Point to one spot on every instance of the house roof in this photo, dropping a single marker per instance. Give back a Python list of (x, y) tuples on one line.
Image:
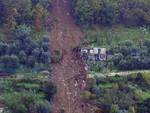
[(103, 50), (95, 50), (84, 50)]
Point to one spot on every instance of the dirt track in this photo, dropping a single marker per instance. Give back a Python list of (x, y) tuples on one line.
[(66, 34)]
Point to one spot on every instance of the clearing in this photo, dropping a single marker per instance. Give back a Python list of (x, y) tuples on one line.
[(66, 35)]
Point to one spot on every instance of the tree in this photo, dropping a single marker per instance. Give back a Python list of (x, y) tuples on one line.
[(87, 95), (107, 14), (9, 62), (21, 102), (13, 50), (131, 109), (22, 57), (3, 48), (38, 14), (84, 10), (43, 107), (49, 89), (35, 2), (45, 58), (114, 109), (36, 53), (2, 9), (91, 12), (45, 3), (29, 47), (144, 107), (117, 58), (23, 30), (95, 90), (13, 105), (134, 12), (147, 43), (16, 11), (31, 61), (45, 46), (11, 20)]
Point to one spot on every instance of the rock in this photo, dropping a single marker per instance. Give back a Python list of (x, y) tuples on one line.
[(45, 73)]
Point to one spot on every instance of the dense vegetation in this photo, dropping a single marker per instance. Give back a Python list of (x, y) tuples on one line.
[(108, 12), (111, 36), (122, 27), (26, 95), (25, 57), (131, 56), (128, 48), (128, 94), (24, 41), (24, 52), (102, 13), (16, 12)]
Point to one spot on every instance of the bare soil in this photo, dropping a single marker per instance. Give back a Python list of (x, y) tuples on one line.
[(69, 74)]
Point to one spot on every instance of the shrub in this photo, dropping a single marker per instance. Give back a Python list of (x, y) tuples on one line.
[(13, 50), (23, 30), (95, 90), (107, 14), (43, 107), (36, 53), (94, 12), (45, 46), (25, 102), (44, 3), (9, 62), (131, 109), (129, 56), (12, 100), (144, 107), (26, 51), (31, 61), (49, 89), (114, 109), (57, 56), (134, 12), (21, 12), (45, 58), (3, 48), (87, 95), (22, 57)]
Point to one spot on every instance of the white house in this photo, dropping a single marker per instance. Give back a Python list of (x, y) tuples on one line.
[(94, 54), (1, 108)]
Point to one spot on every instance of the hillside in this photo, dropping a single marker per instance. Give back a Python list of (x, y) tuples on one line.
[(75, 56), (66, 35)]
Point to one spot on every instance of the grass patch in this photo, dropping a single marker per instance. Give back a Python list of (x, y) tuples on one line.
[(10, 36), (30, 86), (106, 85), (27, 92), (142, 95), (147, 77), (39, 35), (106, 36)]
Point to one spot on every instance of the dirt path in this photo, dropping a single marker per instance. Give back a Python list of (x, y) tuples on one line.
[(125, 73), (65, 35)]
